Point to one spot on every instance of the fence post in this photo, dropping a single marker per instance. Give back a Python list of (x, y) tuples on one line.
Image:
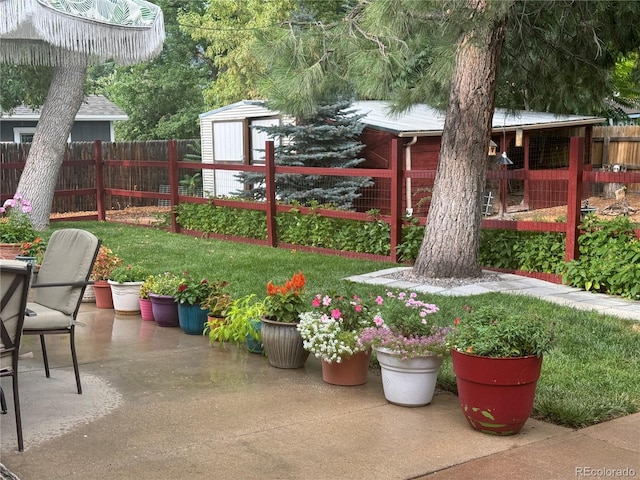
[(396, 197), (574, 197), (270, 186), (173, 183), (100, 195)]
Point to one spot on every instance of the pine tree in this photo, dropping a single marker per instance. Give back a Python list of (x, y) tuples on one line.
[(327, 139)]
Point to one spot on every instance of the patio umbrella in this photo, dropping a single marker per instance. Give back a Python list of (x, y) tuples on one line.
[(68, 35)]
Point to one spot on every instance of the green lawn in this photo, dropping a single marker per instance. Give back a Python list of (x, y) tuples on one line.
[(591, 376)]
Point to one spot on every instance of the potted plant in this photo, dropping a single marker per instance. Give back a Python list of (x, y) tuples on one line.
[(408, 347), (125, 282), (163, 302), (216, 304), (146, 311), (33, 251), (15, 226), (331, 332), (241, 324), (193, 300), (497, 358), (280, 338), (106, 262)]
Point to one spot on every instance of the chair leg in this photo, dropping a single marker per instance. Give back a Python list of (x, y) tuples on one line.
[(3, 402), (74, 357), (16, 406), (44, 356)]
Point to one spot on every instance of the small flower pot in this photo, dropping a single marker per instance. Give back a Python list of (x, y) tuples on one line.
[(102, 291), (146, 311), (353, 370), (126, 297), (283, 344), (410, 382), (192, 318), (165, 310)]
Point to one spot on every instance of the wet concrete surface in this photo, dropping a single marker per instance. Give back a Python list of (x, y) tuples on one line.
[(160, 404)]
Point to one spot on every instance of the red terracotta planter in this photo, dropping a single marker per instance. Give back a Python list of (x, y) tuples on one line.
[(496, 394), (102, 290), (9, 251), (351, 371)]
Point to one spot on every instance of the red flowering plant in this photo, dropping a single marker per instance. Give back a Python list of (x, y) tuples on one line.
[(193, 290), (284, 303), (402, 327), (34, 249)]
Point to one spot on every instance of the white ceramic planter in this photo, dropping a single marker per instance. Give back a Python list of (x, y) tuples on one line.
[(125, 297), (410, 382)]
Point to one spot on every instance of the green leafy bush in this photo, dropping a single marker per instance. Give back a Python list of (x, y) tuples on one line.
[(609, 259)]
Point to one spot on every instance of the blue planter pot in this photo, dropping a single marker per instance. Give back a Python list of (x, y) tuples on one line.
[(253, 345), (192, 318)]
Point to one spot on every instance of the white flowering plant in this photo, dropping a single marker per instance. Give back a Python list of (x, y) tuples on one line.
[(331, 330)]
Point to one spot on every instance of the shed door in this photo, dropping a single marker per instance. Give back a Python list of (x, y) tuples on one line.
[(258, 139), (227, 142)]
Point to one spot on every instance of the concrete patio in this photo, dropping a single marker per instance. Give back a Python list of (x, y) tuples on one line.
[(160, 404)]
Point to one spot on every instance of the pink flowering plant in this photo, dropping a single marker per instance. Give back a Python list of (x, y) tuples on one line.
[(403, 327), (331, 329), (15, 222)]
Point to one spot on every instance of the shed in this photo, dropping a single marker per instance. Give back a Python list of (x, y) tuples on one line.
[(227, 136), (94, 121)]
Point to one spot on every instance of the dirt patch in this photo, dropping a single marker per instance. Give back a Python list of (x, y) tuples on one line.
[(560, 212), (136, 215)]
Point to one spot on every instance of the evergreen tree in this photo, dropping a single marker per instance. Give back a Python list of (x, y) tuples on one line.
[(327, 139)]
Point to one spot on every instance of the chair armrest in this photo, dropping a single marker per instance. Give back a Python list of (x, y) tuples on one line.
[(62, 284)]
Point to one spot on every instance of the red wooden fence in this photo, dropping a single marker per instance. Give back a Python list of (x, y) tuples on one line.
[(574, 177)]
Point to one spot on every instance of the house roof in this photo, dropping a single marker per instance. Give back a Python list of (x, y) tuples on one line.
[(422, 120), (94, 107)]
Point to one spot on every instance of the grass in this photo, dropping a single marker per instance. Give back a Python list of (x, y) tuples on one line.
[(592, 375)]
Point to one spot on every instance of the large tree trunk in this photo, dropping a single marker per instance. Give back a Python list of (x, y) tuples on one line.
[(452, 235), (40, 174)]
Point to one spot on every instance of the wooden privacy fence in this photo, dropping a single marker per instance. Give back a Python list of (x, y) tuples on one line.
[(576, 181)]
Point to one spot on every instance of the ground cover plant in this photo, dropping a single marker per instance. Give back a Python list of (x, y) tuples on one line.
[(592, 374)]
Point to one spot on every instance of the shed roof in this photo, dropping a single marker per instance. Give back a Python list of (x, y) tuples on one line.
[(422, 120), (240, 110), (94, 107)]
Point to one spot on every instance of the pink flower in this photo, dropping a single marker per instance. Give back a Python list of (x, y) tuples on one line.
[(358, 308), (378, 321), (326, 301), (316, 301), (379, 300), (335, 313)]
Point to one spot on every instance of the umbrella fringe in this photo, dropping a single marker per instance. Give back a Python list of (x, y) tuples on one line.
[(12, 14), (61, 34)]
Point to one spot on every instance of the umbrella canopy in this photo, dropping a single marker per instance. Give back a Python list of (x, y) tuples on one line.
[(43, 32)]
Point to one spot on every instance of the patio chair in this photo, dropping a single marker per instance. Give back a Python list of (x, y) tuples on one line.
[(58, 289), (14, 287)]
